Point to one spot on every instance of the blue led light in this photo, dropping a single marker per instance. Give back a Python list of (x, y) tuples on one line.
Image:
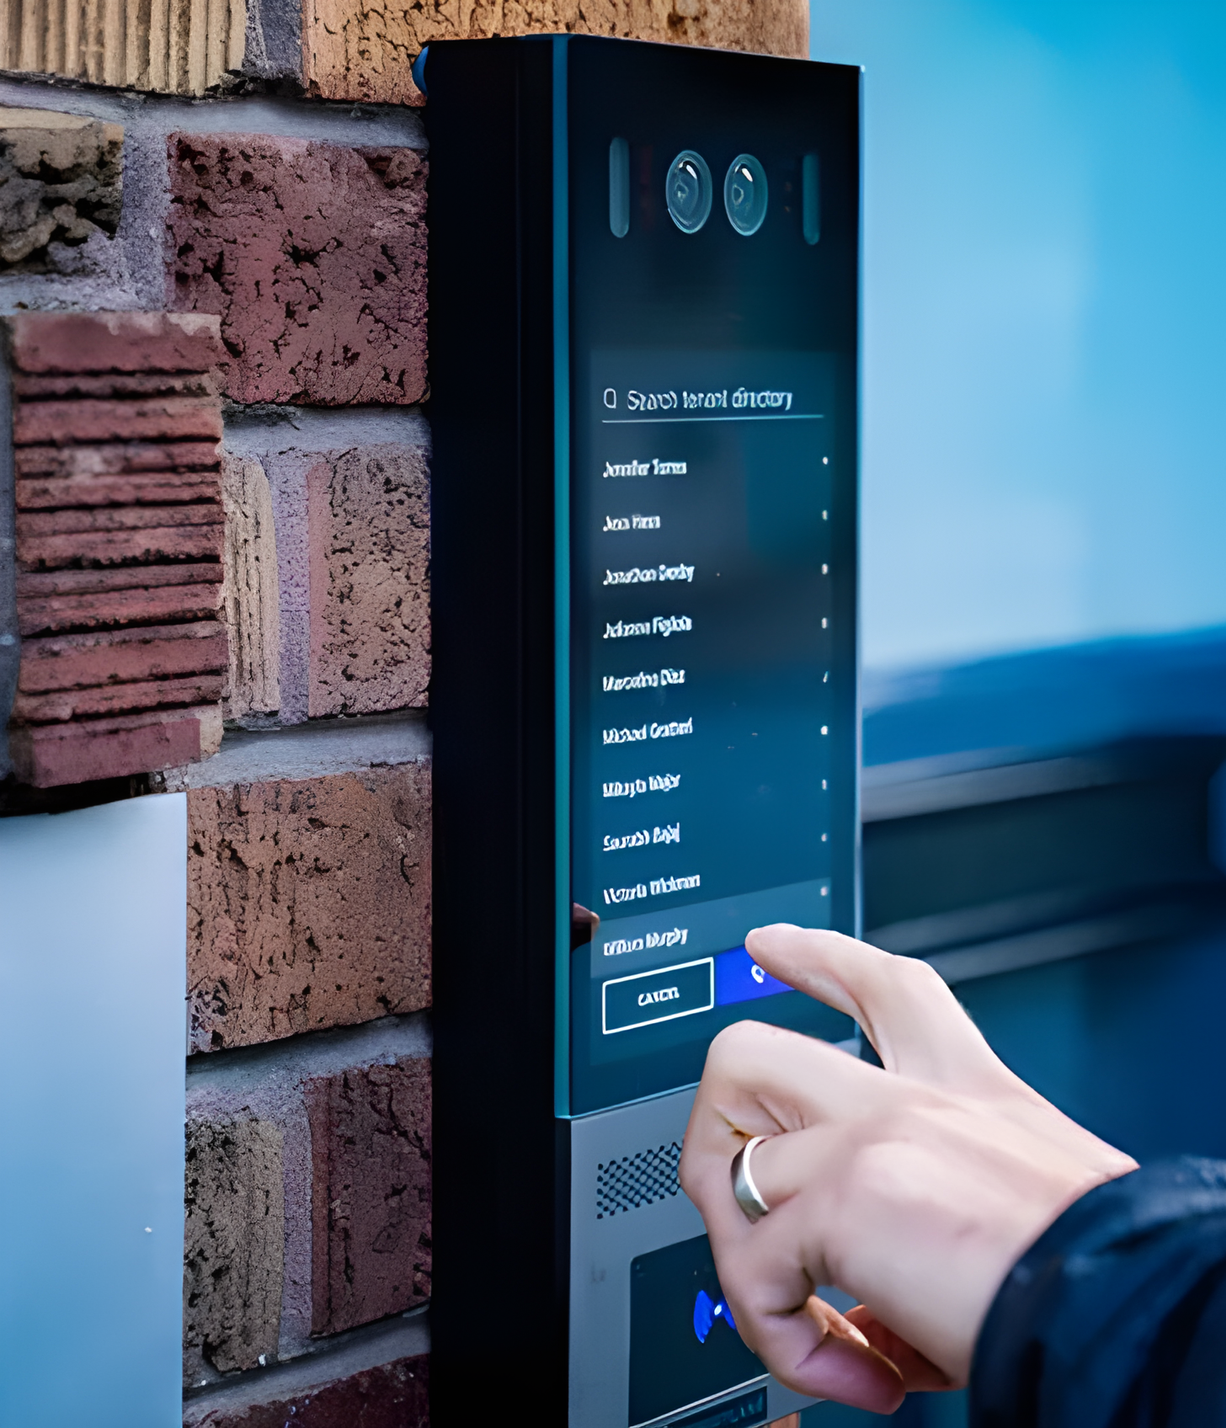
[(706, 1311), (704, 1316)]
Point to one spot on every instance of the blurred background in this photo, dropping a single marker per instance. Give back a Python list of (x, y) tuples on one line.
[(1044, 500)]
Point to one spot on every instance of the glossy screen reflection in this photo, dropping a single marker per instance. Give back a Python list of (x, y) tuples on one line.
[(703, 695)]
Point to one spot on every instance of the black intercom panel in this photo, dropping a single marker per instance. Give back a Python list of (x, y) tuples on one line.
[(643, 346)]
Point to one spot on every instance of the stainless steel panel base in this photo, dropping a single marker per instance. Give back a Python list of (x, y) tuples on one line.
[(625, 1202)]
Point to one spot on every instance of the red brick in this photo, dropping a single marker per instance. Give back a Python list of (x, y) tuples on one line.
[(192, 542), (308, 904), (79, 520), (313, 255), (97, 609), (34, 583), (84, 419), (114, 342), (116, 429), (137, 488), (64, 704), (369, 540), (78, 461), (370, 1193), (48, 755), (394, 1395), (155, 652), (115, 384)]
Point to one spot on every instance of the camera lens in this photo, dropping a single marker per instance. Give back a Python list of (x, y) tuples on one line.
[(687, 191), (745, 194)]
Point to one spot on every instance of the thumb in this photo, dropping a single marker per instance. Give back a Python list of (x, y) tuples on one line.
[(843, 1367), (918, 1373)]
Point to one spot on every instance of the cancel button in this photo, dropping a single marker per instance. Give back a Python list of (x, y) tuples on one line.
[(661, 995)]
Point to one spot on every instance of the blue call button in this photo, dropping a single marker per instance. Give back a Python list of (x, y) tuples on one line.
[(738, 978)]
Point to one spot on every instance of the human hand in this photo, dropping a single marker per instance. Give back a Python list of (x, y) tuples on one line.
[(914, 1188)]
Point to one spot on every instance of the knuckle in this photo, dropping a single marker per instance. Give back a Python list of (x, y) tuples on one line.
[(729, 1047), (921, 978), (688, 1175)]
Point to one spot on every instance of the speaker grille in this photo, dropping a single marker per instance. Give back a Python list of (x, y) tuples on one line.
[(636, 1180)]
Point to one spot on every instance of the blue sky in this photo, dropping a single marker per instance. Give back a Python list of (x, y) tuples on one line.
[(1045, 310)]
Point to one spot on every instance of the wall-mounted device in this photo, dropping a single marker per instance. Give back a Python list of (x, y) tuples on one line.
[(643, 288)]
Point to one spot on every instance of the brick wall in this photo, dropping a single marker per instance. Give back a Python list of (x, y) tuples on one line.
[(308, 1110), (182, 49), (346, 49), (252, 268), (119, 532)]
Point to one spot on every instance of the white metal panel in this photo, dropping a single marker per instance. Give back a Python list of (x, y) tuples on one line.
[(92, 977)]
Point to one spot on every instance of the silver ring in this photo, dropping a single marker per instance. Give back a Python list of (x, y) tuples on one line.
[(747, 1194)]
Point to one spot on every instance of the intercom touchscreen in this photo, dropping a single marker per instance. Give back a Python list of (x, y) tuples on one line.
[(705, 699)]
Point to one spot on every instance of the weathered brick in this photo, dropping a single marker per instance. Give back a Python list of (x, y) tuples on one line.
[(81, 520), (120, 608), (62, 704), (111, 656), (84, 419), (370, 1216), (313, 256), (364, 51), (132, 473), (72, 342), (61, 181), (393, 1395), (50, 755), (93, 599), (114, 384), (34, 583), (136, 489), (252, 591), (124, 543), (82, 461), (122, 547), (308, 904), (368, 523), (185, 49), (115, 427), (233, 1243)]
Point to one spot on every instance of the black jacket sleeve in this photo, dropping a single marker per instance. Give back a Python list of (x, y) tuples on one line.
[(1116, 1316)]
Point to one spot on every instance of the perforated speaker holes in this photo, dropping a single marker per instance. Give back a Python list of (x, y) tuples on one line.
[(637, 1180)]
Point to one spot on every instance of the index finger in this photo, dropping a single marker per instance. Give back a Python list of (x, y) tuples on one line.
[(908, 1013)]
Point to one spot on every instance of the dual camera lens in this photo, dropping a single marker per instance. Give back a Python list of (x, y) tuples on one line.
[(689, 191)]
